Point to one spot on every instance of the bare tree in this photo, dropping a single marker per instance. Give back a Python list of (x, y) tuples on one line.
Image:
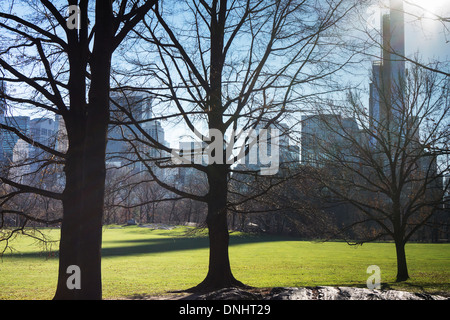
[(391, 168), (62, 66), (222, 66)]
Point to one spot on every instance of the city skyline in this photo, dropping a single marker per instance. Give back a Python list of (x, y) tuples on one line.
[(272, 105), (424, 35)]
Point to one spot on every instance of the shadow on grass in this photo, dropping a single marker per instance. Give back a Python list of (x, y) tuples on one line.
[(150, 246)]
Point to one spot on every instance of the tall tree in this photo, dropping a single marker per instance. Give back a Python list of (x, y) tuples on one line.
[(223, 66), (62, 66)]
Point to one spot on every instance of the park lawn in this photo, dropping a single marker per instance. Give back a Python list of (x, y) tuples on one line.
[(139, 262)]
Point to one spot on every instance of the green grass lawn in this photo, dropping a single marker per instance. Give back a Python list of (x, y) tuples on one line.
[(140, 261)]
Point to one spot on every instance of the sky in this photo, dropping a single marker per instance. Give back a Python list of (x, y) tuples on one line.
[(424, 34)]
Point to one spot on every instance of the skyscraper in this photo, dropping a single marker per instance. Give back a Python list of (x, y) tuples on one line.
[(124, 136), (323, 134), (25, 156), (118, 148), (388, 74), (375, 99), (9, 139), (397, 42), (2, 117), (43, 130)]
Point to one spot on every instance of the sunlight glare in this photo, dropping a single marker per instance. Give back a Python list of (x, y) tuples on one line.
[(431, 8)]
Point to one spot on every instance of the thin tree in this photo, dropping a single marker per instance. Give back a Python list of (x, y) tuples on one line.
[(391, 168)]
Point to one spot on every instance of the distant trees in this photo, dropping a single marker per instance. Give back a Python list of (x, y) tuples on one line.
[(280, 204)]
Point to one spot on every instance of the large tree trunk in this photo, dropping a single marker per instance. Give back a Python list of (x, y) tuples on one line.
[(69, 248), (402, 268), (81, 230), (219, 271), (83, 200), (95, 150), (399, 239)]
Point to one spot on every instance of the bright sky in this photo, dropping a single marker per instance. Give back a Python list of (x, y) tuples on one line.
[(427, 34), (424, 34)]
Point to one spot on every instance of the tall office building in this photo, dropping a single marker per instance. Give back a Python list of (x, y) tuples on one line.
[(191, 152), (62, 143), (21, 166), (120, 136), (388, 74), (375, 99), (2, 117), (124, 136), (156, 132), (397, 42), (26, 157), (43, 130), (9, 139), (323, 133)]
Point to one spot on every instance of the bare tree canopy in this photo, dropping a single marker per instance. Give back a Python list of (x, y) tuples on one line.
[(392, 168), (220, 68)]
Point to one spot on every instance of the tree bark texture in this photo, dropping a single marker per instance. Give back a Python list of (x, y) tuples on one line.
[(219, 272), (83, 199)]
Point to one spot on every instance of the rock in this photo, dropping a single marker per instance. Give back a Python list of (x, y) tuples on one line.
[(227, 294), (131, 222), (312, 293), (345, 293)]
